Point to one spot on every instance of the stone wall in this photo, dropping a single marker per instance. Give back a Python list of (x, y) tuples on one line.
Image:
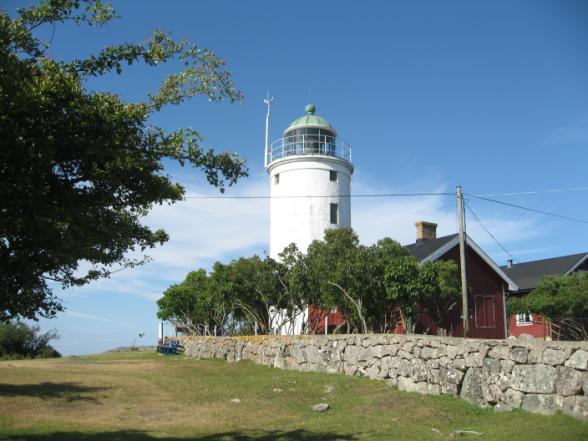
[(537, 376)]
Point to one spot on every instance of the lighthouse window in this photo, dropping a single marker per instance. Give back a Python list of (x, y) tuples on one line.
[(333, 175), (334, 213), (276, 178)]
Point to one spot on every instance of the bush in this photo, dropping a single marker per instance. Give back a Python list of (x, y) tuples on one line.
[(19, 340)]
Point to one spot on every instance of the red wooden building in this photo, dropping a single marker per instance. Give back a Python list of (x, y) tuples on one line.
[(527, 275), (487, 283)]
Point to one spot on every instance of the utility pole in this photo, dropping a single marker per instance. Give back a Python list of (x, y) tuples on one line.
[(462, 260)]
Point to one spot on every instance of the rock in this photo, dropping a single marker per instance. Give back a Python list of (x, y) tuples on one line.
[(474, 359), (329, 389), (578, 360), (407, 385), (525, 336), (450, 375), (518, 354), (459, 363), (471, 389), (498, 352), (576, 406), (546, 404), (502, 408), (391, 382), (568, 381), (491, 364), (585, 381), (277, 390), (235, 400), (554, 356), (321, 407), (538, 378), (513, 398), (506, 365), (427, 353)]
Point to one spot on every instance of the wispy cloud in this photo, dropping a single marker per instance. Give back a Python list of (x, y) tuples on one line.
[(100, 319), (205, 230), (575, 133)]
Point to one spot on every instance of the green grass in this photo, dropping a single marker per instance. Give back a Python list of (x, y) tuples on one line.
[(145, 397)]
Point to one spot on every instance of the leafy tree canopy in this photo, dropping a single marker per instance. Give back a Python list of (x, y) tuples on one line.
[(80, 168), (562, 299)]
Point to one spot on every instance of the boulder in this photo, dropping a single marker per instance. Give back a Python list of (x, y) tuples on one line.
[(321, 407), (578, 360), (554, 356), (513, 398), (568, 381), (576, 406), (518, 354), (471, 389), (546, 404), (538, 378)]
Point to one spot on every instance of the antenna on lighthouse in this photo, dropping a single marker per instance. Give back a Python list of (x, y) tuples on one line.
[(267, 101)]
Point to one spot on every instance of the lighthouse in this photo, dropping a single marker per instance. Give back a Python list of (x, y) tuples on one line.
[(310, 179)]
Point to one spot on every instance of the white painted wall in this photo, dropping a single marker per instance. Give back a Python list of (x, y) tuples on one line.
[(303, 219)]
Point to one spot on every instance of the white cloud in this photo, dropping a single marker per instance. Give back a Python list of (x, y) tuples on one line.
[(100, 319), (205, 230), (575, 133)]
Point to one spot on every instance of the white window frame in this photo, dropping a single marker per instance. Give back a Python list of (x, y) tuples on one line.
[(525, 319)]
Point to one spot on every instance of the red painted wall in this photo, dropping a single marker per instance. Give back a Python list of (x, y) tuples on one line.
[(485, 300), (539, 328)]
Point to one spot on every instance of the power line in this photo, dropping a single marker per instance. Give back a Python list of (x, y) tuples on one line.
[(374, 195), (488, 231), (533, 210), (519, 193)]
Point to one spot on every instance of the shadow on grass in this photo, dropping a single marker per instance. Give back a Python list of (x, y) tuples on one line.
[(131, 435), (69, 391)]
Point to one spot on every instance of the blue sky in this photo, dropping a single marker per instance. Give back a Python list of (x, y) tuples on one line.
[(489, 95)]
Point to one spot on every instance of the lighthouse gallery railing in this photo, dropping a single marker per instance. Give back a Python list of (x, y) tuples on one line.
[(308, 144)]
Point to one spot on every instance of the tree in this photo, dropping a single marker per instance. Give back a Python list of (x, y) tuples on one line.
[(433, 288), (19, 340), (346, 275), (187, 305), (560, 299), (80, 168)]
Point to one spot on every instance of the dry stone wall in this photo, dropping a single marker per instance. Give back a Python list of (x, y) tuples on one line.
[(537, 376)]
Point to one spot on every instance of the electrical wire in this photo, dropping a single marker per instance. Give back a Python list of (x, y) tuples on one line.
[(374, 195), (488, 231), (533, 210), (520, 193)]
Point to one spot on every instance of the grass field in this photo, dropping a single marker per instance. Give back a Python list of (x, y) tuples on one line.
[(143, 397)]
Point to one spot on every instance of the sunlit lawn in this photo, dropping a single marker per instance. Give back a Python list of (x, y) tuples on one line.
[(138, 396)]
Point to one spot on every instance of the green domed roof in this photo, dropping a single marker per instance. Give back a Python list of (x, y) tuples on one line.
[(310, 120)]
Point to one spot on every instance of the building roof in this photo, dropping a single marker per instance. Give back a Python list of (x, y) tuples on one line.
[(310, 120), (527, 274), (423, 249), (431, 250)]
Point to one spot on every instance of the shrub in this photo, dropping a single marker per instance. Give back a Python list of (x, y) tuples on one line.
[(19, 340)]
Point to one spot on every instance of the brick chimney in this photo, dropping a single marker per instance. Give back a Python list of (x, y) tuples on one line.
[(425, 231)]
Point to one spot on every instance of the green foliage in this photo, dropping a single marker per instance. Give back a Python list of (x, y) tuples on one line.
[(433, 288), (78, 168), (366, 283), (187, 304), (561, 299), (19, 340)]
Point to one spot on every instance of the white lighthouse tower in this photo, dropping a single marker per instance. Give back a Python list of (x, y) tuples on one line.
[(310, 176)]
